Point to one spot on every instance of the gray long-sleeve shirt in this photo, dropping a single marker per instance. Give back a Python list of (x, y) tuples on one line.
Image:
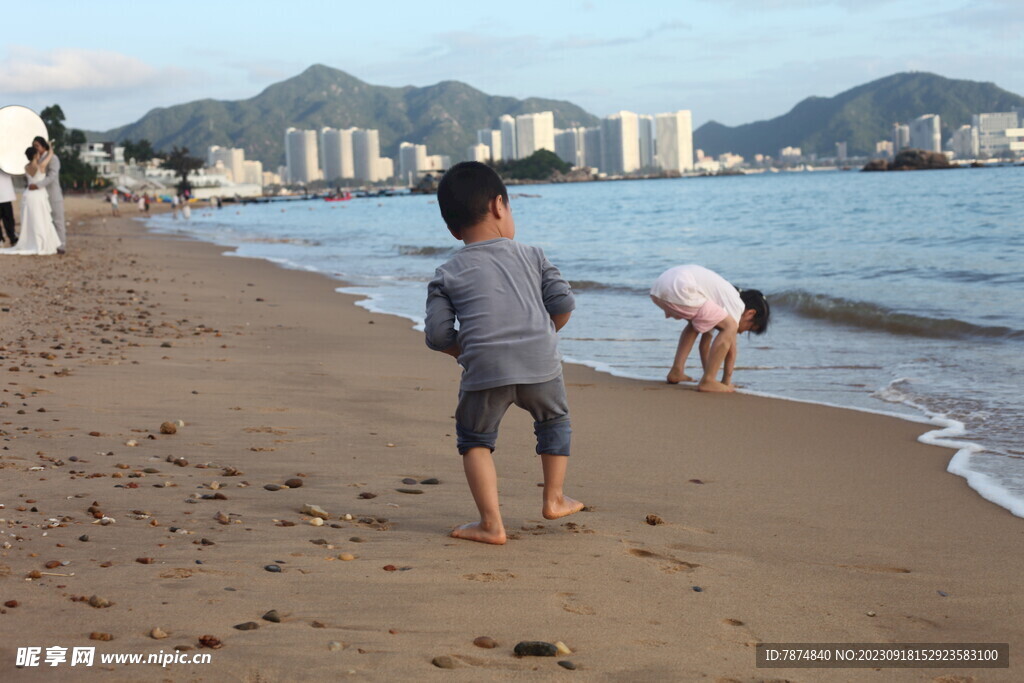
[(503, 294)]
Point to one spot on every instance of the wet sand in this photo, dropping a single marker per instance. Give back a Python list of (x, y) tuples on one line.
[(797, 523)]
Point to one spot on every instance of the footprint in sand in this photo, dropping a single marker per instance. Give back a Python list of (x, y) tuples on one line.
[(571, 604), (877, 569), (489, 577), (666, 563)]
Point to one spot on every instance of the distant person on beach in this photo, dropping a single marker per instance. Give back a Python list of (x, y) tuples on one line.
[(509, 302), (51, 183), (708, 302), (186, 210), (113, 203), (175, 202)]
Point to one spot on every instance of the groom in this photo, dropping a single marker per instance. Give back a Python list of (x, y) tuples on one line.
[(52, 184)]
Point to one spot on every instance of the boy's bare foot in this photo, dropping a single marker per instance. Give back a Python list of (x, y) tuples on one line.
[(714, 386), (474, 531), (563, 507), (677, 377)]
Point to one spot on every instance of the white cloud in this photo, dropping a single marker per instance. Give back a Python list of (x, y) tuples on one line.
[(26, 70)]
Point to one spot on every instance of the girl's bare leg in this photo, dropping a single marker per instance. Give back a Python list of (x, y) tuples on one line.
[(719, 348), (677, 374)]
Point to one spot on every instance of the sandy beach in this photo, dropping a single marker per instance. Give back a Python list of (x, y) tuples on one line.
[(775, 521)]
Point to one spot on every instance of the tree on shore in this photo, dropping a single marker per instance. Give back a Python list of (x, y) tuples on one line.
[(179, 161), (540, 165), (140, 151), (74, 173)]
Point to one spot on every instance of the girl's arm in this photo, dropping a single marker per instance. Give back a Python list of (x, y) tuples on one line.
[(30, 169), (44, 160)]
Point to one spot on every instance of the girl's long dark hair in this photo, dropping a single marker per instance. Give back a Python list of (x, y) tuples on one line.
[(754, 300)]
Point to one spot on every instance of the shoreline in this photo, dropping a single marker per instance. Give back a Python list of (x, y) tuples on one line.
[(940, 425), (797, 522)]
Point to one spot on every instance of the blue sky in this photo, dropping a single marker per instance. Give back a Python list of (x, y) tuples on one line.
[(733, 61)]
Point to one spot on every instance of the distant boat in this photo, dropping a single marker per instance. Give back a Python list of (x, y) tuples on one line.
[(343, 197)]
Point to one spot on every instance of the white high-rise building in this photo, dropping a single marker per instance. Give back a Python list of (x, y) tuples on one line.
[(570, 146), (252, 172), (996, 133), (336, 146), (232, 158), (900, 137), (301, 156), (964, 142), (674, 144), (385, 168), (645, 129), (478, 152), (592, 147), (412, 162), (507, 125), (534, 132), (366, 154), (491, 138), (620, 143), (926, 133)]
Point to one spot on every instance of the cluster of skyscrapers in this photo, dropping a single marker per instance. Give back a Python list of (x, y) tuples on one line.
[(348, 153), (623, 143), (991, 135), (236, 168)]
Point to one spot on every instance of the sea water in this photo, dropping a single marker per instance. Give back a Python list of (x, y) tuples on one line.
[(892, 292)]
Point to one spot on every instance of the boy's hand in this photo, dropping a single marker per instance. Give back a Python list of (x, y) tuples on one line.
[(454, 351)]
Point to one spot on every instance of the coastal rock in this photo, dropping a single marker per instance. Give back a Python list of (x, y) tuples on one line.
[(272, 616), (443, 662), (535, 648), (314, 511), (654, 520)]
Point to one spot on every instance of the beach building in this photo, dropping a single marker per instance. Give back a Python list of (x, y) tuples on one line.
[(900, 136), (252, 173), (534, 132), (366, 154), (592, 147), (385, 168), (507, 125), (478, 152), (412, 161), (645, 131), (232, 158), (620, 143), (791, 155), (491, 138), (926, 133), (570, 144), (301, 156), (964, 142), (270, 178), (336, 145), (883, 148), (674, 140), (998, 134)]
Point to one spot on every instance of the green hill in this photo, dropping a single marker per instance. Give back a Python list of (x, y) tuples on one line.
[(861, 116), (445, 116)]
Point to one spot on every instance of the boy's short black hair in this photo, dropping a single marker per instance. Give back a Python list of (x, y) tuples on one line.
[(754, 300), (465, 192)]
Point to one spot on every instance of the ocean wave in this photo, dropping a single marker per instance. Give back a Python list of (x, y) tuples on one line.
[(411, 250), (592, 286), (875, 317)]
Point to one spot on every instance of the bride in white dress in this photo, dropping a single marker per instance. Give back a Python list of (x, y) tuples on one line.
[(38, 235)]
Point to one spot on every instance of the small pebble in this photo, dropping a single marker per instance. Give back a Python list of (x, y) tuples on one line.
[(211, 642), (293, 483), (431, 482), (562, 648), (443, 662), (53, 564), (414, 491), (314, 511), (158, 634), (272, 487), (698, 589), (334, 646), (144, 560), (654, 520), (366, 495), (408, 480), (346, 557), (390, 568), (247, 626), (316, 521), (318, 624), (11, 603), (943, 593), (535, 648), (566, 664), (870, 614), (356, 539), (168, 428), (272, 616), (485, 642), (272, 568), (96, 635)]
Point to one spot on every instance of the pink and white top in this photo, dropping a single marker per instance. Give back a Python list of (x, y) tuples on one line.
[(694, 293)]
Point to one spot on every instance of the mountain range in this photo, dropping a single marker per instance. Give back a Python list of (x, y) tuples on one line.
[(447, 115), (860, 116)]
